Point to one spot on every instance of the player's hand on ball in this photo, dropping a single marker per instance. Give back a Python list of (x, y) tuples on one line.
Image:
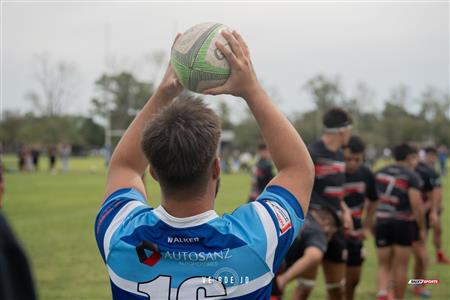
[(170, 87), (242, 81)]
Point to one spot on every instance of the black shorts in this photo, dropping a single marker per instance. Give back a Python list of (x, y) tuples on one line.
[(355, 252), (394, 232), (337, 249), (312, 235)]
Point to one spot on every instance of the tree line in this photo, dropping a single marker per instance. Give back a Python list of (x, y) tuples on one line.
[(120, 95)]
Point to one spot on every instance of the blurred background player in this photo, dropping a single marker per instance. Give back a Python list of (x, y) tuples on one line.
[(262, 172), (421, 259), (52, 152), (361, 198), (433, 217), (400, 207), (328, 191), (64, 152), (307, 251), (442, 155)]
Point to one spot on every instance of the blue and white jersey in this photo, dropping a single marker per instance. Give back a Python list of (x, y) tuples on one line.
[(153, 255)]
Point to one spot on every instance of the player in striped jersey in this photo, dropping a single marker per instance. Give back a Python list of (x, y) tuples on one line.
[(328, 191), (360, 197), (182, 249), (400, 208)]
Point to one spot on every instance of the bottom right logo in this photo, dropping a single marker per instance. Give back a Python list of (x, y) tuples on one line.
[(423, 281)]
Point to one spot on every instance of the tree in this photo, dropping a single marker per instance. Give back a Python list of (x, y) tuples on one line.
[(224, 114), (57, 81), (122, 96), (325, 93)]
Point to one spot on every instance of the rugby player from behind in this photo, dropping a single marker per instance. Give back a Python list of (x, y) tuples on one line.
[(328, 191), (398, 214), (433, 189), (182, 249)]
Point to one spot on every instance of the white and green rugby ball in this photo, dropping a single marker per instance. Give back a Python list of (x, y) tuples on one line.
[(196, 60)]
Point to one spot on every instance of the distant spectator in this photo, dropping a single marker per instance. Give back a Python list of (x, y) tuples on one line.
[(65, 152), (29, 167), (371, 155), (387, 153), (262, 172), (21, 159), (235, 162), (442, 156), (245, 159), (35, 153), (107, 155), (52, 159)]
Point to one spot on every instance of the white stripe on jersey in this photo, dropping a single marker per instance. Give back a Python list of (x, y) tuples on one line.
[(271, 233), (117, 221), (123, 284)]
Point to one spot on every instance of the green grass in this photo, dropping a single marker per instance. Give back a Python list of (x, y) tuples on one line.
[(54, 215)]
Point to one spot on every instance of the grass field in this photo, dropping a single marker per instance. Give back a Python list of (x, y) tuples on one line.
[(53, 216)]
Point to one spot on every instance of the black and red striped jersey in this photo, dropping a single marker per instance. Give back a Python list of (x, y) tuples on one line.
[(359, 185), (393, 183), (429, 177), (329, 176)]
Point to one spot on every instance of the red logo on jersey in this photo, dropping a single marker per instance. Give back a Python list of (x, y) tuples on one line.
[(282, 216), (143, 258)]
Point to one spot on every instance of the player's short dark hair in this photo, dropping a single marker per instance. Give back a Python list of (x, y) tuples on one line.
[(356, 145), (181, 142), (402, 151), (262, 146), (336, 117), (431, 150)]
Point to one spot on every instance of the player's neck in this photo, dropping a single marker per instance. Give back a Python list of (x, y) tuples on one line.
[(184, 209), (331, 142), (403, 164), (182, 205)]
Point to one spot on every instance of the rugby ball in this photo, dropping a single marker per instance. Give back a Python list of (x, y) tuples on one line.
[(198, 63)]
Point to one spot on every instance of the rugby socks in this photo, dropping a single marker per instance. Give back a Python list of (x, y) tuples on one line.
[(382, 295), (441, 259)]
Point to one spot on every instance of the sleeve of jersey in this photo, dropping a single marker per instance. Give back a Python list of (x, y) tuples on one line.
[(415, 182), (282, 218), (435, 180), (113, 212)]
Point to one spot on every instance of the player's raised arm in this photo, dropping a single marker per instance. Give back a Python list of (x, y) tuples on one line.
[(289, 153), (128, 162)]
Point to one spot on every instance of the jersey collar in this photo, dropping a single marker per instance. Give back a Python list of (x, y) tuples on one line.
[(191, 221)]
